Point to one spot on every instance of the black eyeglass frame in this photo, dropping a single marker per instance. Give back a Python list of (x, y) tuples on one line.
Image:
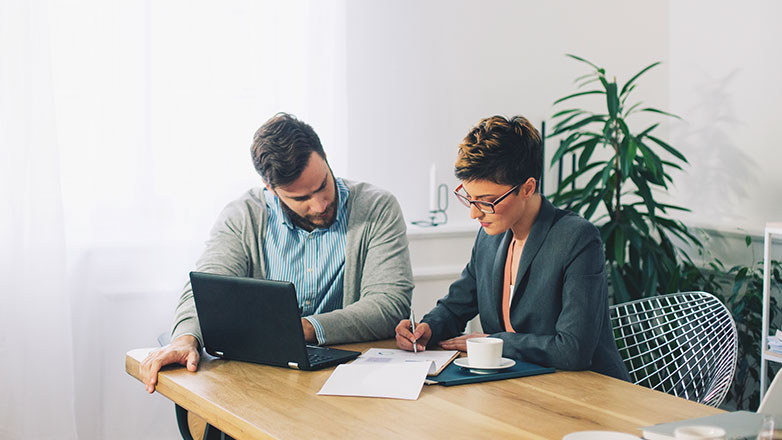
[(489, 206)]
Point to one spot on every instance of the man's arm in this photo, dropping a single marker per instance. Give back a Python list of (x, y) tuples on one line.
[(378, 275)]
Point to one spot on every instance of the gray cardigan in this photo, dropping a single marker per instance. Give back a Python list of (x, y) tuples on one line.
[(378, 280), (560, 307)]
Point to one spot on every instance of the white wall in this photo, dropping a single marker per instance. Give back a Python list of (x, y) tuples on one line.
[(421, 74), (725, 70)]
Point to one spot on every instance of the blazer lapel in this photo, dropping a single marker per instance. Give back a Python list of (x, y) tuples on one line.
[(537, 236)]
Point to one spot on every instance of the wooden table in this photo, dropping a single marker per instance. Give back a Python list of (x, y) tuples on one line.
[(249, 401)]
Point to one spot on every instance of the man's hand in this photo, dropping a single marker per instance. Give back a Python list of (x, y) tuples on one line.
[(405, 338), (182, 350), (460, 342), (309, 331)]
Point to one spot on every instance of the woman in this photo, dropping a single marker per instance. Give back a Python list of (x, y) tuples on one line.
[(537, 273)]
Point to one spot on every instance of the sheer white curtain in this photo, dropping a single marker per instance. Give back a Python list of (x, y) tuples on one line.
[(36, 372), (125, 129)]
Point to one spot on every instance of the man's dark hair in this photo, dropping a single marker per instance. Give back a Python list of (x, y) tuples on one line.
[(282, 148), (502, 151)]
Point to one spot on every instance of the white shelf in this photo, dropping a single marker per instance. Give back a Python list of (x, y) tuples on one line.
[(769, 355)]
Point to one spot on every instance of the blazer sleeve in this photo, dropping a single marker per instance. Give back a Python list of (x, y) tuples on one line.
[(452, 313), (578, 326)]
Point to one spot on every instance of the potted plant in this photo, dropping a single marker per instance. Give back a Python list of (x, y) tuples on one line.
[(617, 193)]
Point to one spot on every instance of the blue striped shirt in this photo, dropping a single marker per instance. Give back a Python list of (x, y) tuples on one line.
[(313, 261)]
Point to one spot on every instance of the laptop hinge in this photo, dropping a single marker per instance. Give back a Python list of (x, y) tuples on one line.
[(219, 353), (293, 365)]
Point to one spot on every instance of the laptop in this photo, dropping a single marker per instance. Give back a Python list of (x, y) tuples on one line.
[(737, 424), (252, 320)]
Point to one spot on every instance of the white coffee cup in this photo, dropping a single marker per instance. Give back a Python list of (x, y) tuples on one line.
[(699, 432), (484, 352)]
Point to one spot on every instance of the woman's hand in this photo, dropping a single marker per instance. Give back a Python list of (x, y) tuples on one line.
[(460, 342)]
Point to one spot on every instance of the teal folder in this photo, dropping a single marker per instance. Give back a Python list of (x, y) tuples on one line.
[(456, 375)]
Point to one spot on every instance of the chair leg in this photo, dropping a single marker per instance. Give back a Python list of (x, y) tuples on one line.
[(181, 421), (212, 433)]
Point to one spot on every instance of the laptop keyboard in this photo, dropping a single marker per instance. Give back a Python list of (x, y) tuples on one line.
[(316, 358)]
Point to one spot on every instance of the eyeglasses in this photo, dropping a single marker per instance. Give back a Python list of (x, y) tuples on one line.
[(486, 207)]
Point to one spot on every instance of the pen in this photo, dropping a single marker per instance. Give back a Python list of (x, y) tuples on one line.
[(412, 325)]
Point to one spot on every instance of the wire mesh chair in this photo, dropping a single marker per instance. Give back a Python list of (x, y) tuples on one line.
[(683, 344)]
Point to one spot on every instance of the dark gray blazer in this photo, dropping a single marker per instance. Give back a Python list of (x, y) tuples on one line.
[(559, 308)]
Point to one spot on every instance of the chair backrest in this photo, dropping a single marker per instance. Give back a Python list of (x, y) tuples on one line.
[(683, 344)]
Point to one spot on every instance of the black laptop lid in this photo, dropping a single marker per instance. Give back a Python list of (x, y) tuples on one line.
[(248, 319)]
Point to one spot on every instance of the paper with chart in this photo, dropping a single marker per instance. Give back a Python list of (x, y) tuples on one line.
[(438, 359)]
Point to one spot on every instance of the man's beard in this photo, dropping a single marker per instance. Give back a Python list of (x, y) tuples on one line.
[(311, 222)]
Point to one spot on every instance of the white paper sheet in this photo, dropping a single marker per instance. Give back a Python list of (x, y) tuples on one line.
[(395, 380), (393, 355)]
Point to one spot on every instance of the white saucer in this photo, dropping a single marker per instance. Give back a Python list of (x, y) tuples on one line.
[(465, 363), (600, 435)]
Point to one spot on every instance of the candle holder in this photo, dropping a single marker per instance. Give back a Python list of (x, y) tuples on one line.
[(437, 216)]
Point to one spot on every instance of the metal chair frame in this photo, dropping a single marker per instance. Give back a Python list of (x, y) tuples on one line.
[(683, 344)]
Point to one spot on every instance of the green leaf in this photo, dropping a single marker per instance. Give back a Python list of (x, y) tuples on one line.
[(748, 240), (623, 126), (647, 131), (585, 76), (670, 164), (589, 148), (580, 171), (620, 288), (628, 156), (654, 110), (668, 148), (631, 109), (575, 57), (575, 125), (674, 207), (565, 148), (619, 246), (575, 95), (645, 193), (566, 120), (587, 82), (612, 99), (565, 112), (651, 160), (626, 94), (630, 212), (632, 80), (593, 204)]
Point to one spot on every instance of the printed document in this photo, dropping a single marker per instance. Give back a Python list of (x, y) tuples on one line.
[(395, 380)]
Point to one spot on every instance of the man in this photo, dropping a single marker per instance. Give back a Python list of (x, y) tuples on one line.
[(537, 273), (342, 244)]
